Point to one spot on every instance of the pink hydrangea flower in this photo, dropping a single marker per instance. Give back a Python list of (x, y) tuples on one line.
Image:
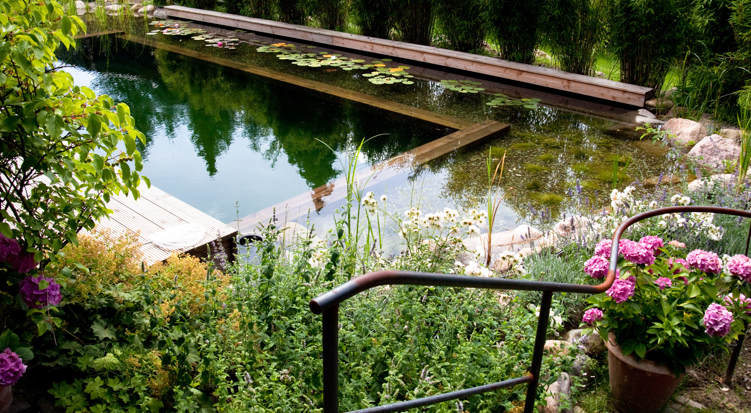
[(677, 244), (706, 261), (675, 264), (622, 290), (717, 320), (592, 315), (636, 252), (740, 265), (664, 282), (11, 368), (36, 297), (596, 267), (603, 248), (742, 299), (653, 243)]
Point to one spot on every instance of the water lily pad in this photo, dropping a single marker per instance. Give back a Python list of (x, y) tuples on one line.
[(462, 86), (501, 100)]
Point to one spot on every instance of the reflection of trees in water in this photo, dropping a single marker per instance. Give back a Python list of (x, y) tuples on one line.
[(216, 104)]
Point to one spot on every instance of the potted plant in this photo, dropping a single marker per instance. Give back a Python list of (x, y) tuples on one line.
[(664, 311)]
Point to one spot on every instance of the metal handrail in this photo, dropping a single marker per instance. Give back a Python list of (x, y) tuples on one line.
[(327, 304)]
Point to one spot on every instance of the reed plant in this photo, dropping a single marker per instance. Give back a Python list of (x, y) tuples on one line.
[(744, 123), (495, 175)]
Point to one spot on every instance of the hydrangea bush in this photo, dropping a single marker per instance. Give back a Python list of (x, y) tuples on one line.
[(663, 305)]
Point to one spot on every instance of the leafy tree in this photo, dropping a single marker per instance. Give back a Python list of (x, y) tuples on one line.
[(375, 17), (513, 25), (463, 23), (64, 150), (572, 29), (414, 19)]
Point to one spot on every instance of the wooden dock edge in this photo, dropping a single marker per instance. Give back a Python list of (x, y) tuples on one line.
[(336, 190), (604, 89)]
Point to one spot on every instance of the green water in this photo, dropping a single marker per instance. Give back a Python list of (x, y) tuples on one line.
[(217, 137), (220, 137)]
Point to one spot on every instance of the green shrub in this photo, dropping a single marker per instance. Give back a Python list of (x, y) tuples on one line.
[(573, 29), (647, 37), (375, 17), (415, 20), (331, 14), (263, 9), (292, 11), (513, 26), (463, 23), (714, 35)]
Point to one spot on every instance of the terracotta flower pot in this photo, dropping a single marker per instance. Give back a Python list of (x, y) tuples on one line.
[(6, 398), (638, 385)]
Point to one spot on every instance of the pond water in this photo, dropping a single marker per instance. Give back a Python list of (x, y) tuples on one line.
[(232, 143)]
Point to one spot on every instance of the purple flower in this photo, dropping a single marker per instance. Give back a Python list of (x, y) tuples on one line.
[(664, 282), (596, 267), (622, 290), (592, 315), (717, 320), (653, 243), (740, 265), (12, 253), (636, 252), (8, 248), (603, 248), (11, 368), (744, 301), (36, 297), (705, 261)]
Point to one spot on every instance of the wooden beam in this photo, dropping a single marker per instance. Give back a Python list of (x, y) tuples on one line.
[(96, 34), (539, 76), (370, 100), (336, 190)]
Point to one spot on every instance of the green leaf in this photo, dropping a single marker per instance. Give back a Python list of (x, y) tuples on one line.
[(640, 350), (5, 230), (66, 25), (94, 125), (693, 291), (101, 331)]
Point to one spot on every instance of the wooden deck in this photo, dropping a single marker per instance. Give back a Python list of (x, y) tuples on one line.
[(370, 100), (539, 76), (300, 205), (165, 225)]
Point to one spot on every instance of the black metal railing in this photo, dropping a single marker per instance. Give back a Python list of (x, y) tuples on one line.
[(327, 305)]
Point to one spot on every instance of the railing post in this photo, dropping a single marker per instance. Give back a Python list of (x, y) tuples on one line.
[(734, 356), (534, 369), (331, 359)]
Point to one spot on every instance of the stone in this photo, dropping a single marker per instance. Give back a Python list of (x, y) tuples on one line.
[(559, 390), (578, 409), (502, 240), (589, 343), (80, 4), (684, 132), (582, 365), (160, 14), (707, 183), (146, 9), (113, 9), (466, 258), (661, 105), (668, 93), (715, 152), (732, 133), (525, 233), (647, 114), (557, 346), (571, 226), (134, 8), (690, 403)]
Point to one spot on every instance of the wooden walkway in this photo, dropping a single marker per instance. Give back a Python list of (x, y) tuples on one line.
[(165, 225), (300, 205), (539, 76), (370, 100)]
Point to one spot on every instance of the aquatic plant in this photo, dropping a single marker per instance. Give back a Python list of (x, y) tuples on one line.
[(501, 100), (462, 86)]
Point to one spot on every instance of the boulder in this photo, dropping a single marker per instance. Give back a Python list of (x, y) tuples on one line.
[(590, 343), (557, 347), (502, 240), (707, 183), (583, 365), (647, 114), (732, 133), (160, 14), (134, 8), (715, 152), (559, 390), (149, 9), (113, 9), (572, 226), (684, 132)]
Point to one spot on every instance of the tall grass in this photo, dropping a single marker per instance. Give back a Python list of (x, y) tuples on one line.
[(744, 123)]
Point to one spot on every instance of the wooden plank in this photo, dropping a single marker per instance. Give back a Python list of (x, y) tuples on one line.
[(370, 100), (540, 76), (95, 34), (157, 216), (336, 190)]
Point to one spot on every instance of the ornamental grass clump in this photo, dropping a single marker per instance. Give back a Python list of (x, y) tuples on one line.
[(663, 305)]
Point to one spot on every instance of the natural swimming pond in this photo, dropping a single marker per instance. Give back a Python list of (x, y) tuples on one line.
[(232, 143)]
